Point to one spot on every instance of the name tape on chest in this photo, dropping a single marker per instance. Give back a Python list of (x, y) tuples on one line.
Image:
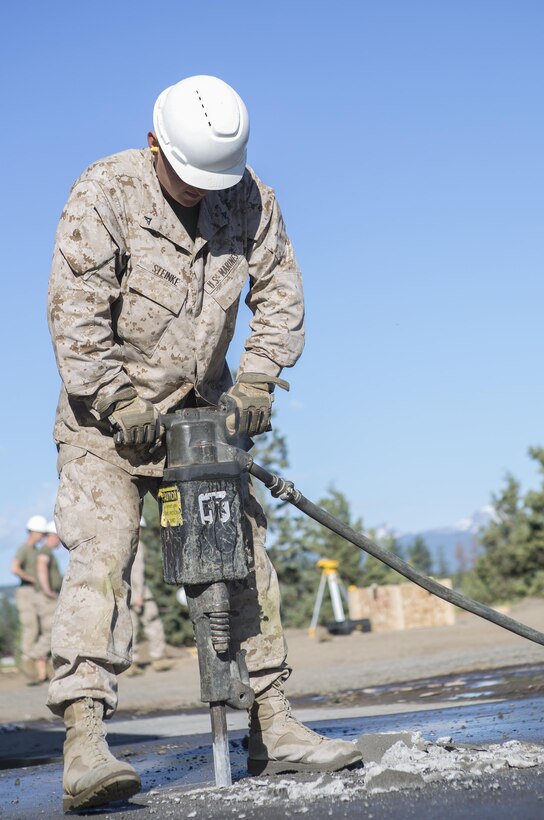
[(162, 273)]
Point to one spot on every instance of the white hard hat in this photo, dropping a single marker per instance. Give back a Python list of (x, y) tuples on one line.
[(37, 523), (202, 126), (51, 529), (142, 522)]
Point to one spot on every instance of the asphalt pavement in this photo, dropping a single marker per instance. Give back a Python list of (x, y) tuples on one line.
[(492, 767)]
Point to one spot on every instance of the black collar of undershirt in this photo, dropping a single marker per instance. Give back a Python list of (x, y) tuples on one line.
[(187, 215)]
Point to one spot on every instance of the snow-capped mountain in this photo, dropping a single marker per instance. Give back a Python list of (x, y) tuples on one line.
[(453, 545), (477, 520)]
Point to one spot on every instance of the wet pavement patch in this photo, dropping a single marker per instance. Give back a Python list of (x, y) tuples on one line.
[(504, 683)]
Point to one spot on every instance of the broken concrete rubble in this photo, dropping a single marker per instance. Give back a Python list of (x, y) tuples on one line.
[(393, 761)]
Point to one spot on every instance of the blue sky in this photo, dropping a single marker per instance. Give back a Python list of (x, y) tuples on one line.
[(404, 141)]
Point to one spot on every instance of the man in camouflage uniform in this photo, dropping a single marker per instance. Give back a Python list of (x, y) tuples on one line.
[(24, 566), (152, 252), (49, 582)]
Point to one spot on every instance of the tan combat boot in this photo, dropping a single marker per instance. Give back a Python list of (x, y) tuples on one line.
[(92, 775), (278, 742)]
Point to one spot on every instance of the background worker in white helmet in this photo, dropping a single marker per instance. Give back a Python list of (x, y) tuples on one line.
[(152, 252), (23, 566), (49, 582), (145, 614)]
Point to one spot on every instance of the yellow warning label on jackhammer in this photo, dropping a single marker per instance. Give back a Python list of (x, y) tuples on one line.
[(171, 514)]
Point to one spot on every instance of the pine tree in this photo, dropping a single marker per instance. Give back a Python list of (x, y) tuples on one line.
[(320, 543), (296, 570), (271, 453), (506, 569), (375, 572), (323, 543), (442, 568), (533, 554), (419, 556), (299, 543), (286, 549)]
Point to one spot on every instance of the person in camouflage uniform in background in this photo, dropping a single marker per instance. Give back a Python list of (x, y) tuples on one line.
[(49, 583), (152, 252), (24, 566)]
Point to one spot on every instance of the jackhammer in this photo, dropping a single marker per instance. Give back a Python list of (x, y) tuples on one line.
[(203, 533), (205, 549)]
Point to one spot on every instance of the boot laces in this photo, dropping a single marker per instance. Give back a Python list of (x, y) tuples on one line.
[(287, 710), (96, 734)]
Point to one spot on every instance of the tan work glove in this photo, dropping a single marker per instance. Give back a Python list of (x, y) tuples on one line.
[(250, 402), (134, 420)]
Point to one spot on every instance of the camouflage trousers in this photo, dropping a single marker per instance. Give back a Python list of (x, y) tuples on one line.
[(46, 612), (97, 515), (150, 621), (26, 599)]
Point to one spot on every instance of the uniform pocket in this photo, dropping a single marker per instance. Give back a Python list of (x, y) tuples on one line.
[(225, 283), (154, 297), (75, 509), (86, 244)]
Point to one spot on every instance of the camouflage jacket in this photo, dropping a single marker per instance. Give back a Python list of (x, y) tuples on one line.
[(134, 301)]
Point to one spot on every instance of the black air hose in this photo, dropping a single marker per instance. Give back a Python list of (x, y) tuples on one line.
[(287, 492)]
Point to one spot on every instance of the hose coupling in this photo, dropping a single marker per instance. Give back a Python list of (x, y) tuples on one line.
[(284, 490)]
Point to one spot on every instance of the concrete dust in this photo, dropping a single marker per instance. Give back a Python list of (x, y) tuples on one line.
[(444, 761), (403, 764), (394, 762)]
